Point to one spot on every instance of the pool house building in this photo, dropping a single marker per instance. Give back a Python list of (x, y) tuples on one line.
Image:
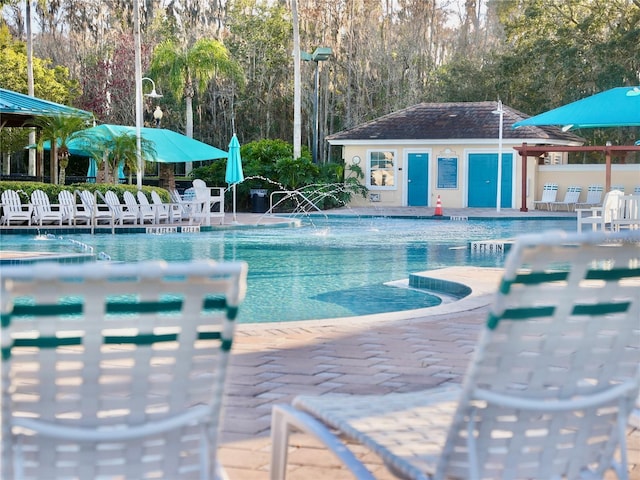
[(450, 150)]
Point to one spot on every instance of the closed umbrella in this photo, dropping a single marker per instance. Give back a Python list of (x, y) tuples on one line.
[(234, 173), (92, 172)]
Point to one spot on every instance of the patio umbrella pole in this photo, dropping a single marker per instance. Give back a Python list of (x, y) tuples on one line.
[(235, 219)]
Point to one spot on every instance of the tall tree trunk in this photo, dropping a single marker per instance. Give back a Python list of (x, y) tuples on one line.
[(30, 86), (188, 98), (297, 102)]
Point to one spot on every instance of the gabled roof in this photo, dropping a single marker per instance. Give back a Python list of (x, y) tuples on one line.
[(461, 120), (16, 109)]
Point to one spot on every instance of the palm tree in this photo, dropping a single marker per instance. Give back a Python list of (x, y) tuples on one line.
[(189, 70), (58, 130), (119, 148)]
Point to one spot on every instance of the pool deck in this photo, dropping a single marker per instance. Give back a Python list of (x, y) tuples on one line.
[(400, 351)]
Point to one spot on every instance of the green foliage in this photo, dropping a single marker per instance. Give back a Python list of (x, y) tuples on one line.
[(50, 83), (269, 164), (25, 189), (58, 130)]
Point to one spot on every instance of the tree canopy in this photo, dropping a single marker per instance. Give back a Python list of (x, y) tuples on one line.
[(534, 55)]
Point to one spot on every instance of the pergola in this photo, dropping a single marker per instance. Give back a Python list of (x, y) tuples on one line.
[(609, 151)]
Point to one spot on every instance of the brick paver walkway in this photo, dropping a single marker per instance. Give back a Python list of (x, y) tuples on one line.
[(274, 362)]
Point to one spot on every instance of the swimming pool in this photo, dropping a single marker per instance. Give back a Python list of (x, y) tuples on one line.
[(327, 268)]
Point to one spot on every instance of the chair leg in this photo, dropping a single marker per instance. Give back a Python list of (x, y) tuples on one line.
[(279, 444), (285, 418)]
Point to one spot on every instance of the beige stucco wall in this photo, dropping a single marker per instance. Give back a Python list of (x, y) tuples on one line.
[(537, 175), (627, 176), (451, 197)]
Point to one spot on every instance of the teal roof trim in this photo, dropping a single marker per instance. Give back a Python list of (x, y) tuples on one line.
[(17, 108)]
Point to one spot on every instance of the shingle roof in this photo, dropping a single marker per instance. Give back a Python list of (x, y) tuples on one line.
[(16, 108), (463, 120)]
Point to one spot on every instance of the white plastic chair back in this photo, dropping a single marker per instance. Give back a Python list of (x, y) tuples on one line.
[(42, 211), (554, 378), (120, 212), (556, 371), (594, 195), (158, 213), (13, 209), (115, 370)]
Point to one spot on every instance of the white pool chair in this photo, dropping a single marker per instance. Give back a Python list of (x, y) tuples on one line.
[(121, 213), (116, 370), (600, 217), (628, 213), (74, 212), (159, 213), (100, 212), (571, 197), (43, 211), (549, 194), (210, 202), (174, 210), (143, 211), (554, 378), (189, 206), (594, 197), (13, 210)]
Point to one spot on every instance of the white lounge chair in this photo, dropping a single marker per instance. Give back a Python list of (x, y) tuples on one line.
[(174, 210), (115, 370), (144, 212), (594, 197), (74, 212), (628, 213), (100, 213), (189, 206), (159, 213), (210, 202), (600, 217), (121, 213), (554, 378), (43, 211), (571, 197), (13, 210), (549, 195)]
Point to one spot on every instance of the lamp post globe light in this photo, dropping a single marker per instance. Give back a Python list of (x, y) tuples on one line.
[(320, 54)]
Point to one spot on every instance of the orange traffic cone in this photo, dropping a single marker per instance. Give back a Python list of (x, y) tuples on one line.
[(438, 212)]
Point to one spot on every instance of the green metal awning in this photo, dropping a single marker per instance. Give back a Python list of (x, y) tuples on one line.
[(16, 109)]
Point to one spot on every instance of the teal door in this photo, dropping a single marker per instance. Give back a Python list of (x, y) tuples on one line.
[(483, 179), (418, 179)]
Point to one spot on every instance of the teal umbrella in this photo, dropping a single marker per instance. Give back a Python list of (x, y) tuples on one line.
[(618, 107), (170, 146), (92, 172), (234, 173)]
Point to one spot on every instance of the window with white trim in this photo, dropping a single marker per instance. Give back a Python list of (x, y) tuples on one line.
[(382, 170)]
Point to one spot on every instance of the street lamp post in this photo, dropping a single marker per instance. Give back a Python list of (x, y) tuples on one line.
[(499, 111), (139, 94), (320, 54)]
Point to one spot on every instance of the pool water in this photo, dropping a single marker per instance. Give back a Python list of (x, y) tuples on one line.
[(326, 268)]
